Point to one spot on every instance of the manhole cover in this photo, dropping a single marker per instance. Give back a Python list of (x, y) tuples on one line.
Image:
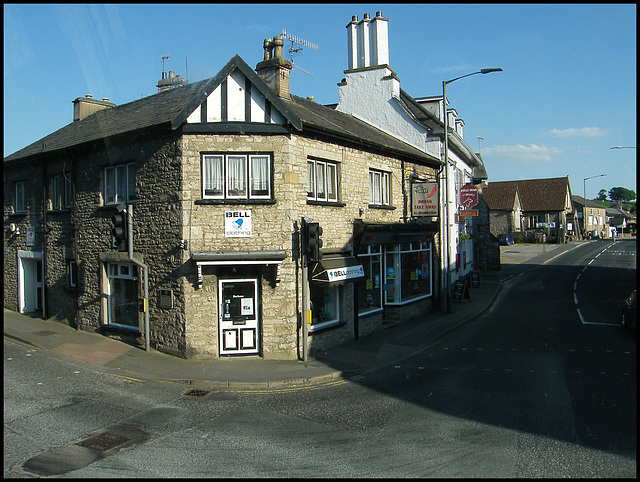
[(196, 393), (104, 441)]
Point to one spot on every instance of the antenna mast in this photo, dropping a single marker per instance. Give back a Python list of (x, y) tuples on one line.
[(164, 74), (297, 47)]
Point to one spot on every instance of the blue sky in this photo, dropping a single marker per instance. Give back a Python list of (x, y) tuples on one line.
[(566, 95)]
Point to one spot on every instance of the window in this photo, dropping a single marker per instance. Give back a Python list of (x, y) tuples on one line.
[(20, 204), (236, 176), (73, 274), (120, 184), (123, 296), (370, 287), (322, 180), (379, 188), (60, 191), (325, 306), (408, 272)]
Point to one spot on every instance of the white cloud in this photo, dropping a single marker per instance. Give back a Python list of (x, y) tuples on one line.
[(521, 153), (583, 132)]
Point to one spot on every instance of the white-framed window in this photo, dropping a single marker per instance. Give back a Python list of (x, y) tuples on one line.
[(322, 180), (370, 288), (236, 176), (408, 271), (73, 273), (123, 296), (379, 188), (60, 191), (120, 184), (20, 204)]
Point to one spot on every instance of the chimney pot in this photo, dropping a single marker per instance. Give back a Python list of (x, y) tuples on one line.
[(105, 99), (88, 96), (172, 74), (366, 17), (378, 14), (354, 18)]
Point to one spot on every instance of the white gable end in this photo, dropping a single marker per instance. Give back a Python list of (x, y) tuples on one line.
[(230, 102)]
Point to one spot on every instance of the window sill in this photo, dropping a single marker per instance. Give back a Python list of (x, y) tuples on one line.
[(220, 202), (312, 202), (325, 327), (381, 206)]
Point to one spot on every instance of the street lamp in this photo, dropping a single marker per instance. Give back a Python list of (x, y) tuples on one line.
[(584, 207), (447, 297)]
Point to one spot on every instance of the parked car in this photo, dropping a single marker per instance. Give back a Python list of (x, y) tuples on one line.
[(505, 239), (629, 312)]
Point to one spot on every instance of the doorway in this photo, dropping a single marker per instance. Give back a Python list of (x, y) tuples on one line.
[(30, 282), (239, 317)]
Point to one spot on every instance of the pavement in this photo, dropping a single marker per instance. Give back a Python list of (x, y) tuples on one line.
[(352, 359)]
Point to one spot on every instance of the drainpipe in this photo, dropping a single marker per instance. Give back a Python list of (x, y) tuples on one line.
[(145, 274)]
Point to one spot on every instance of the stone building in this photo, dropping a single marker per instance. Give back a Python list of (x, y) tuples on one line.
[(218, 178)]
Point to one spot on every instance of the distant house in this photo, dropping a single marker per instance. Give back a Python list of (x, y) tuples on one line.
[(620, 221), (590, 217), (505, 207), (545, 207)]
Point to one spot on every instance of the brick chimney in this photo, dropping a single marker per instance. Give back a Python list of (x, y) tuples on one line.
[(85, 106), (275, 69)]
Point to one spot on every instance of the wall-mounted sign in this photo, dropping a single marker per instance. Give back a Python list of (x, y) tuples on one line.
[(424, 196), (469, 196), (348, 272), (31, 236), (237, 224), (468, 212)]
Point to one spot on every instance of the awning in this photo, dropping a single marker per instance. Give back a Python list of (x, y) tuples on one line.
[(337, 270), (238, 258)]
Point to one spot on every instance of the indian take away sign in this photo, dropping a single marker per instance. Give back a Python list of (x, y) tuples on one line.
[(424, 197)]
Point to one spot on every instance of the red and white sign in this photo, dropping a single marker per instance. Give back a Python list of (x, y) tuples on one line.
[(469, 196), (424, 199)]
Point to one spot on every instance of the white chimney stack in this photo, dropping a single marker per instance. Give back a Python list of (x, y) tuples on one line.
[(368, 42)]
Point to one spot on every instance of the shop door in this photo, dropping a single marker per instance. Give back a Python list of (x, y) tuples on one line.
[(239, 317)]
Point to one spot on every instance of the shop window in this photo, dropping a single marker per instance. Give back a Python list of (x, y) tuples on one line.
[(322, 180), (236, 176), (123, 296), (369, 288), (408, 272), (325, 306)]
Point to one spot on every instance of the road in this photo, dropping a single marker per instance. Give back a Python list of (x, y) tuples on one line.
[(542, 386)]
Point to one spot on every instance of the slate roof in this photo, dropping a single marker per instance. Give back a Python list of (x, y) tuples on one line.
[(538, 194), (170, 109), (590, 204), (500, 196)]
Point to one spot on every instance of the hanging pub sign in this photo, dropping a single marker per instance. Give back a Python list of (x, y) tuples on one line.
[(424, 199), (469, 196), (237, 224)]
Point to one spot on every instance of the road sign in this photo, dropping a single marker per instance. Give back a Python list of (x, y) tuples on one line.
[(469, 196)]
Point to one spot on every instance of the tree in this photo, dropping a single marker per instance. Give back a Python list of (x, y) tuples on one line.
[(621, 194), (602, 195)]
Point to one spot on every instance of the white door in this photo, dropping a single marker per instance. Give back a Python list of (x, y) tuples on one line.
[(239, 317), (31, 287)]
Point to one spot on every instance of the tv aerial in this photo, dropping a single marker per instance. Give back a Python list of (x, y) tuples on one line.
[(297, 48)]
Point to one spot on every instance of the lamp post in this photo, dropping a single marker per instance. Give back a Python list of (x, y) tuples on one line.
[(447, 281), (584, 208)]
